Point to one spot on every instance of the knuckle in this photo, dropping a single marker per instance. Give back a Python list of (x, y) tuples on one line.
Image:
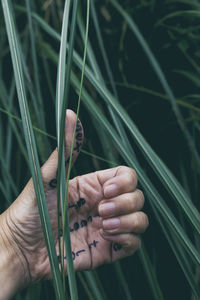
[(128, 244), (137, 221), (129, 247), (140, 221), (133, 174), (140, 198), (130, 203), (130, 175), (132, 178), (124, 168), (132, 245)]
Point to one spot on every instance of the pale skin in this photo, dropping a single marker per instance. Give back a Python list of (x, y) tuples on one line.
[(105, 220)]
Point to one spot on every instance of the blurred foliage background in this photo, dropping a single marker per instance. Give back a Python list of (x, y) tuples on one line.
[(166, 114)]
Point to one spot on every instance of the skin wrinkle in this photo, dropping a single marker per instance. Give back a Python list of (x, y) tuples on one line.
[(17, 245), (43, 256)]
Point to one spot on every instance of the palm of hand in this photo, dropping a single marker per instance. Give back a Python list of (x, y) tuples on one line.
[(89, 248)]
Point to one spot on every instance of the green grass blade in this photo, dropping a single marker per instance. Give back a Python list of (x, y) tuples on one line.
[(99, 76), (145, 90), (93, 285), (60, 87), (150, 273), (61, 105), (3, 97), (122, 280), (85, 286), (182, 259), (194, 3), (74, 293), (102, 48), (31, 146), (190, 13), (35, 64), (9, 133), (8, 177)]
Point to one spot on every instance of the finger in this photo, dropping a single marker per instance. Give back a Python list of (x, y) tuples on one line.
[(123, 245), (117, 181), (121, 205), (136, 223), (49, 169)]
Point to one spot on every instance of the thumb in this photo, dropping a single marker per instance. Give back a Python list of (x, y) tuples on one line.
[(49, 169)]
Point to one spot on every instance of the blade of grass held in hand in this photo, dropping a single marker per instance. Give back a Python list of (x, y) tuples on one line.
[(59, 103), (62, 94), (66, 235), (31, 146)]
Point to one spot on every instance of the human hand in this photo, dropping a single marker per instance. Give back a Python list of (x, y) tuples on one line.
[(104, 213)]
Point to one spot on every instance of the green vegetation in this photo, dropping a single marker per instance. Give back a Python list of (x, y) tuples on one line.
[(136, 91)]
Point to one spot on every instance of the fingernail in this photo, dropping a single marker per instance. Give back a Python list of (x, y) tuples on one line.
[(110, 190), (111, 223), (107, 209)]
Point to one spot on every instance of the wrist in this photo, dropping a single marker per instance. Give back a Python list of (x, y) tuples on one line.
[(12, 268)]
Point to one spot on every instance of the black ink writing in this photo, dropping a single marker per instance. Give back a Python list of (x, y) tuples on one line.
[(78, 146), (78, 127), (83, 223), (89, 219), (76, 226), (78, 204), (53, 183), (94, 244), (117, 247), (77, 253), (79, 136)]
